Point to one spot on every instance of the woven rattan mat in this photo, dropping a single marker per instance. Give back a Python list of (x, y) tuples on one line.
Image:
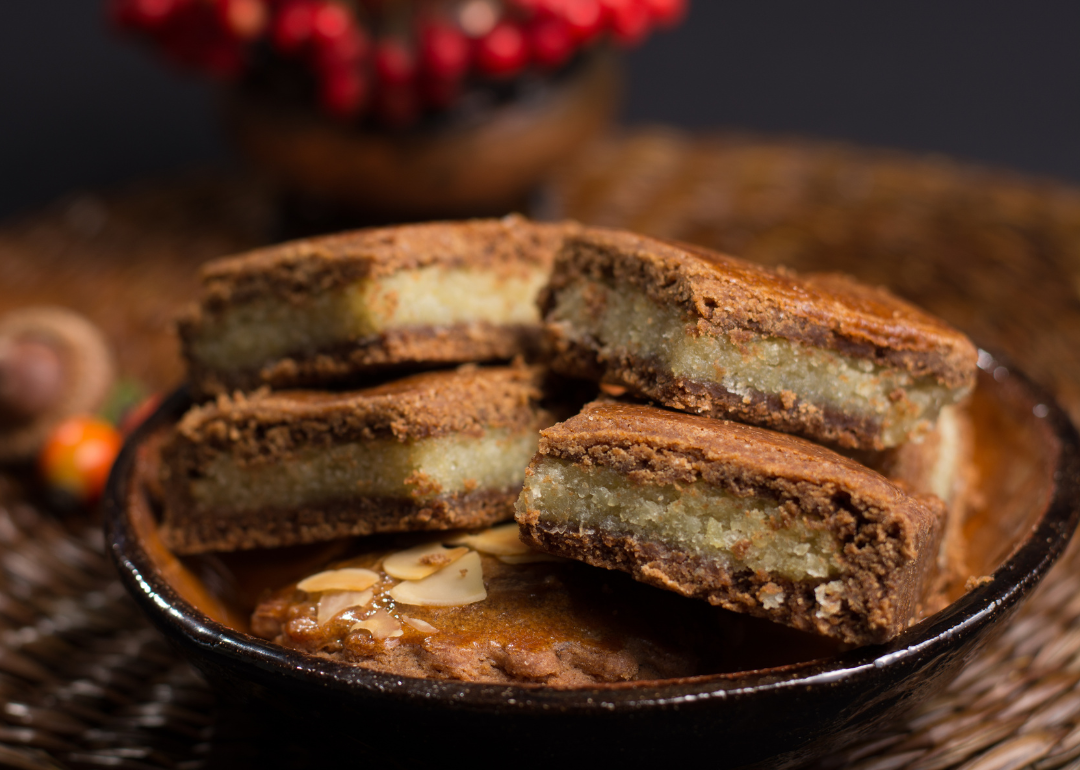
[(85, 682)]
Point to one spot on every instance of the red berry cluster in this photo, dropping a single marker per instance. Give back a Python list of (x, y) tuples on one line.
[(211, 35), (393, 58)]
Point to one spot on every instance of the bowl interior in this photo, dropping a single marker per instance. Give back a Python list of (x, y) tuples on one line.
[(814, 697)]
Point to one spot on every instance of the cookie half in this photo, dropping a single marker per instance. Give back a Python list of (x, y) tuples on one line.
[(325, 310), (748, 519), (429, 452), (822, 356)]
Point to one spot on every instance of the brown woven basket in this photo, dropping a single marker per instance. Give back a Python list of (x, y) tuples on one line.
[(85, 682)]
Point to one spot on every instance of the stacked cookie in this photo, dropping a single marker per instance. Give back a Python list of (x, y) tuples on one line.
[(753, 517), (286, 449)]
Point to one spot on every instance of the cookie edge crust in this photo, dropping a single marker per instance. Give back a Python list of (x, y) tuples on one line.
[(290, 270), (726, 294), (891, 605), (654, 381), (272, 528)]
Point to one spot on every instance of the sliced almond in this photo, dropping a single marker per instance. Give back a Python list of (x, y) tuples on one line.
[(380, 624), (420, 625), (347, 579), (460, 583), (333, 602), (528, 558), (502, 540), (421, 561)]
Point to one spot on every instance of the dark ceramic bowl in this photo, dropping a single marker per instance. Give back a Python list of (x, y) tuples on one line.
[(296, 706)]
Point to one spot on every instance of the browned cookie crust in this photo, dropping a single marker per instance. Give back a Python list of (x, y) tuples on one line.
[(745, 306), (878, 545), (293, 269), (274, 527), (299, 274), (279, 468)]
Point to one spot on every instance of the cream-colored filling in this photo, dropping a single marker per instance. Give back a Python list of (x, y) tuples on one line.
[(945, 472), (247, 335), (382, 468), (698, 518), (625, 320)]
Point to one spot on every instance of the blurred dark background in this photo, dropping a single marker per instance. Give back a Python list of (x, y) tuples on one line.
[(994, 81)]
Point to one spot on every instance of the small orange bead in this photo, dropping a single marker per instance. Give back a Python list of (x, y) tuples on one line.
[(78, 456)]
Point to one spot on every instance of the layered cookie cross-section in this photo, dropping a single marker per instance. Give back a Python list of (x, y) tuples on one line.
[(325, 310), (820, 356), (432, 451), (745, 518)]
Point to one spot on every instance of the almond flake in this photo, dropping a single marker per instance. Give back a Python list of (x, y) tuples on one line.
[(333, 602), (460, 583), (502, 540), (421, 561), (420, 625), (347, 579), (380, 624)]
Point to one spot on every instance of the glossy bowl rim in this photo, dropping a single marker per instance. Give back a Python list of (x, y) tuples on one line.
[(1010, 583)]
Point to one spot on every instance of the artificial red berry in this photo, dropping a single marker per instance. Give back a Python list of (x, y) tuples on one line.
[(502, 52), (666, 13), (78, 455), (550, 42), (609, 7), (585, 18), (444, 51), (291, 29), (627, 19), (549, 9), (329, 22), (342, 93), (395, 64), (241, 19)]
